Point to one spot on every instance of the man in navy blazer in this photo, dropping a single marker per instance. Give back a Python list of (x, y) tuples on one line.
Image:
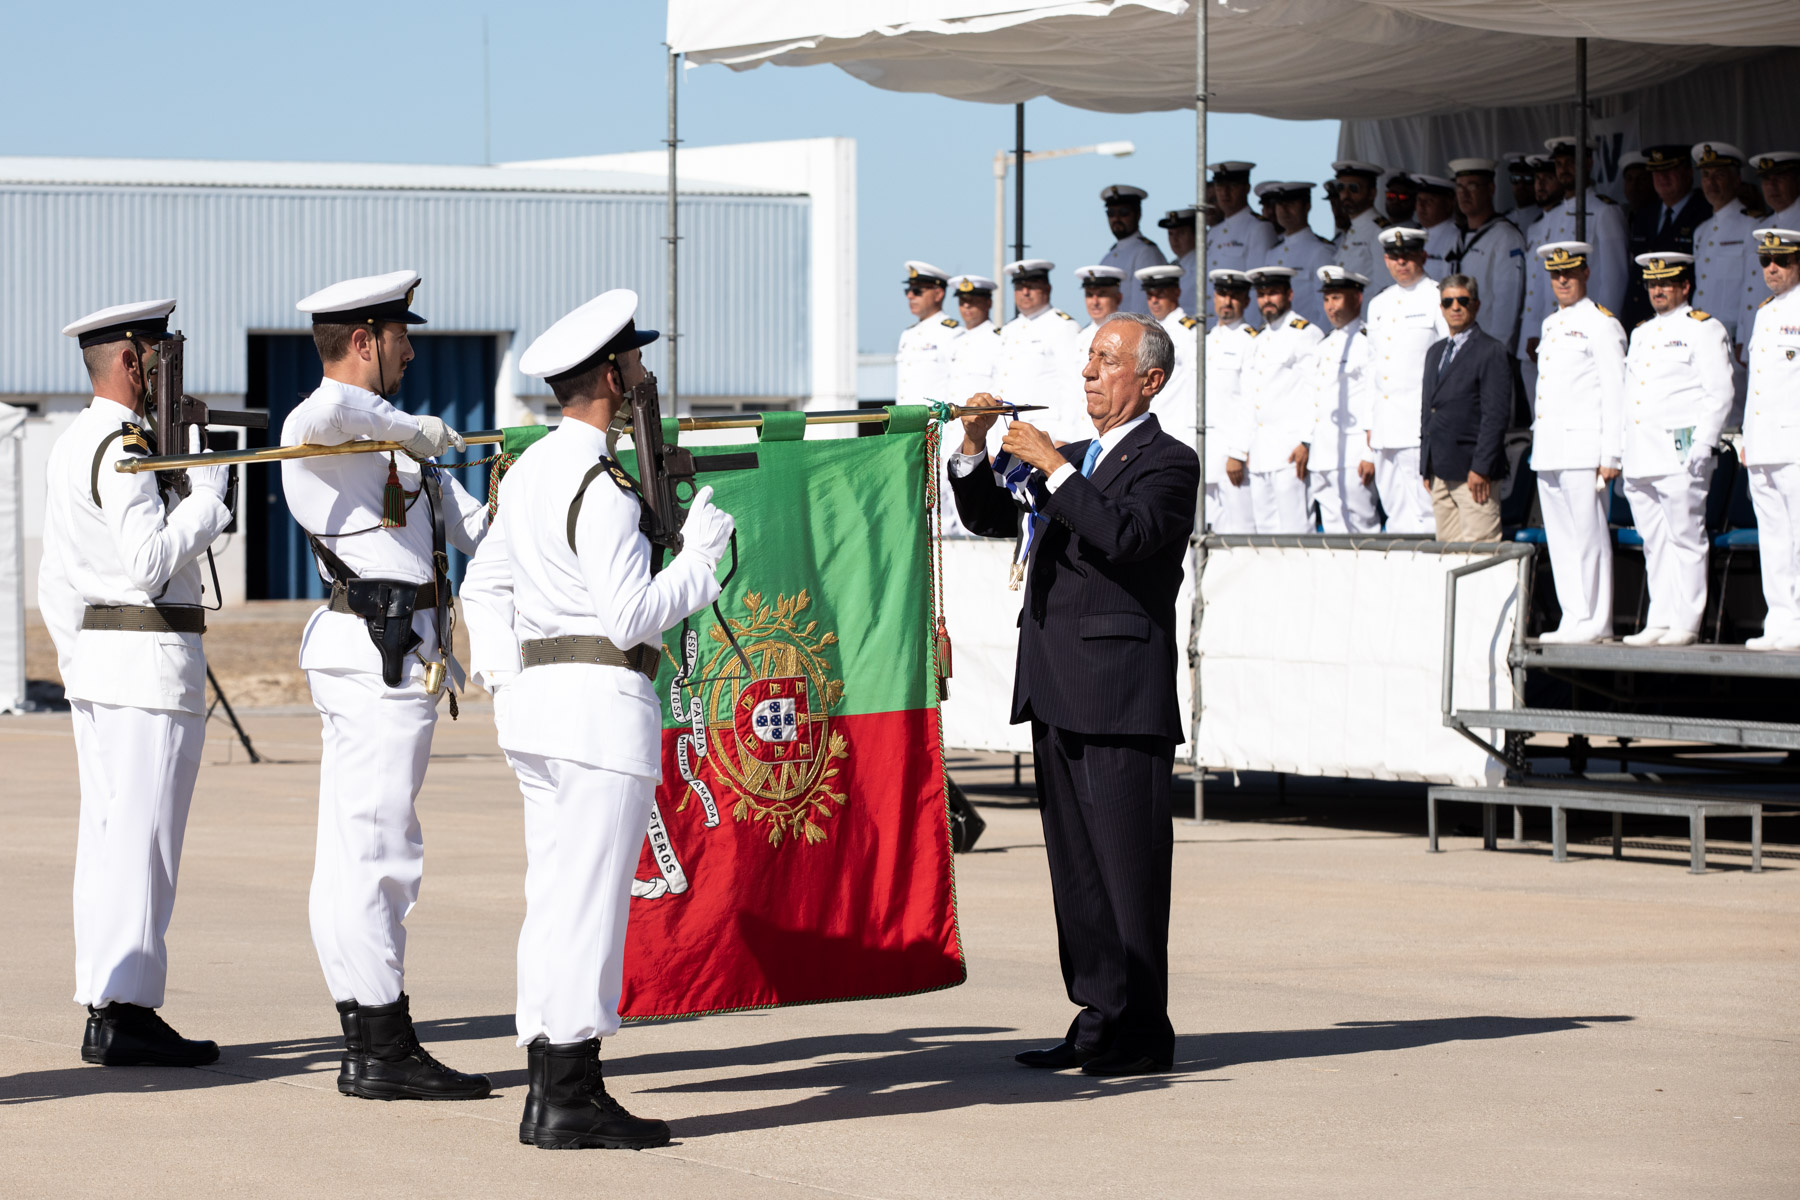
[(1466, 402), (1096, 678)]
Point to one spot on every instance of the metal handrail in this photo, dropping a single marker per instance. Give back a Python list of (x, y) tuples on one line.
[(1519, 552)]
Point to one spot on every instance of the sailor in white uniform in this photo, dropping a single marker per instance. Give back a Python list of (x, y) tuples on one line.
[(1722, 242), (1239, 239), (922, 363), (1277, 410), (1606, 228), (1678, 392), (584, 727), (1131, 250), (1779, 174), (1577, 442), (1772, 437), (376, 661), (1521, 176), (1401, 323), (1228, 345), (1339, 459), (1301, 248), (1491, 251), (1102, 294), (1180, 225), (1435, 213), (1359, 249), (1174, 406), (1037, 350), (119, 588), (974, 368), (1537, 303)]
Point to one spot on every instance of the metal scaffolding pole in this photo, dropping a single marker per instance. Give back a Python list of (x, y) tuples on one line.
[(1201, 296), (674, 240), (1582, 151), (1018, 189)]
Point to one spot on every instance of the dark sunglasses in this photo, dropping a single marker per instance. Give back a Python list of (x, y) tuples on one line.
[(1456, 302), (914, 289), (1770, 259)]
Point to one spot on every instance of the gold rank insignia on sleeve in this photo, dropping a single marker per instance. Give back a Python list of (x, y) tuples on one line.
[(132, 439)]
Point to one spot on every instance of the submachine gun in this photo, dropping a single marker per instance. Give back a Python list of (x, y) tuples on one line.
[(181, 420)]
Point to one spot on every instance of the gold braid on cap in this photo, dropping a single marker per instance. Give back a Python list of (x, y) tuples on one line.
[(1662, 268), (1561, 259), (1772, 245)]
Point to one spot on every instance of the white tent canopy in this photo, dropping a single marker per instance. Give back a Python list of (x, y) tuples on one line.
[(1295, 59)]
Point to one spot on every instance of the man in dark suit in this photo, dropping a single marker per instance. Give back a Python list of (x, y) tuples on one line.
[(1466, 401), (1668, 222), (1095, 676)]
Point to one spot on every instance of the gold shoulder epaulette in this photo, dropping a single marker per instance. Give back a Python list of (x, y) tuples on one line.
[(1065, 316), (1759, 213), (950, 322), (1606, 310), (1765, 302), (1605, 199), (617, 474), (1698, 315), (1299, 323), (1254, 331), (131, 438), (1381, 221), (1190, 322)]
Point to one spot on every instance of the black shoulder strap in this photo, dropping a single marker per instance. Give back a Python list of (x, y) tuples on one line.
[(334, 566), (605, 466), (134, 439), (100, 457)]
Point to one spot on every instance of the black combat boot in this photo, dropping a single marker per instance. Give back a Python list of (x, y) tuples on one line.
[(534, 1096), (350, 1066), (393, 1065), (577, 1114), (130, 1035)]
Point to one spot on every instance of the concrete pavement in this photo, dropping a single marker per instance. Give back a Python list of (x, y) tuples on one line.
[(1357, 1018)]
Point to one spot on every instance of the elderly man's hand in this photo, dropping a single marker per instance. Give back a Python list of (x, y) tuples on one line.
[(1234, 471), (1027, 443), (975, 429)]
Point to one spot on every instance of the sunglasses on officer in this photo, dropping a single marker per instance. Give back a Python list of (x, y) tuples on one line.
[(1769, 260), (1456, 302)]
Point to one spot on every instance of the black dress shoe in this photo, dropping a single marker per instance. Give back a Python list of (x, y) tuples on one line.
[(350, 1066), (1064, 1056), (578, 1114), (534, 1093), (130, 1035), (394, 1066), (1124, 1062)]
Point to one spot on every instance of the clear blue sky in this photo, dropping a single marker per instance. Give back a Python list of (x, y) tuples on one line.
[(403, 83)]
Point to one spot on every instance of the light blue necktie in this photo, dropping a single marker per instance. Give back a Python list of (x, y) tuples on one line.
[(1093, 456)]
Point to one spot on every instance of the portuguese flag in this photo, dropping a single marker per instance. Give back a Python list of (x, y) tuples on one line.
[(799, 850)]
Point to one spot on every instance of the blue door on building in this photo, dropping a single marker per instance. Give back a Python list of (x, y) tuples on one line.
[(451, 376)]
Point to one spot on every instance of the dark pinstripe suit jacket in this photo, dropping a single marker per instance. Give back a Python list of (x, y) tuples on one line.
[(1097, 650)]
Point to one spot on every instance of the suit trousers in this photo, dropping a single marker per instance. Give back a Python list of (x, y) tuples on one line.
[(1346, 503), (1110, 841), (1228, 508), (137, 768), (1775, 494), (1580, 545), (1402, 490), (1670, 514), (584, 833), (1278, 502), (1459, 518), (371, 851)]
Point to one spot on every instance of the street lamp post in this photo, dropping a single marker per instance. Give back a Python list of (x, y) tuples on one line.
[(1004, 157)]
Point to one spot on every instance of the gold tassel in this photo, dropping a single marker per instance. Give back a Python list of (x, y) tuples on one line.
[(943, 660), (393, 499)]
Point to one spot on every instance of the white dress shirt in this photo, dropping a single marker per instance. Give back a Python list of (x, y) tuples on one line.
[(1581, 385), (1401, 324)]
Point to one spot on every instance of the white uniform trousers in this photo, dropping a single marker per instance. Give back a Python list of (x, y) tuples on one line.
[(137, 769), (1775, 494), (1346, 504), (1228, 508), (1278, 502), (1670, 514), (370, 852), (1580, 545), (584, 831), (1403, 493)]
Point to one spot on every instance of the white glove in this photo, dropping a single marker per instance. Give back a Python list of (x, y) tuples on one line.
[(707, 531), (433, 438), (209, 480), (1698, 454)]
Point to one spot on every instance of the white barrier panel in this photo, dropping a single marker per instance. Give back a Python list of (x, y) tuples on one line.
[(1321, 661), (982, 614), (12, 559)]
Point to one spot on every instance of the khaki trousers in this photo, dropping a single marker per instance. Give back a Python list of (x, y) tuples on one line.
[(1459, 518)]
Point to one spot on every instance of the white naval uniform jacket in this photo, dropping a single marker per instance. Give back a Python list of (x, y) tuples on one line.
[(974, 363), (1343, 380), (1772, 404), (1609, 267), (1306, 252), (1190, 297), (1401, 325), (1719, 262), (1440, 244), (1677, 376), (341, 494), (1359, 249), (1173, 407), (1581, 385), (1755, 291), (1130, 253), (133, 548), (1532, 307), (1239, 242), (922, 364), (1494, 257), (606, 717), (1278, 396), (1036, 367), (1227, 349)]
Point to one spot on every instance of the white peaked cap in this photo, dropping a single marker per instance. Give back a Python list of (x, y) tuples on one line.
[(605, 321)]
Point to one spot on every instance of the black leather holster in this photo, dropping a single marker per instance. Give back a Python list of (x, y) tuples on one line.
[(386, 607)]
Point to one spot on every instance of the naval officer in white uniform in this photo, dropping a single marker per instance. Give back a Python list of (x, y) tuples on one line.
[(119, 588), (1228, 345), (1277, 413), (584, 726), (1102, 294), (1402, 322), (1778, 172), (974, 368), (374, 661), (1359, 246), (1239, 239), (1577, 442), (1131, 250), (1174, 406), (1491, 251), (1301, 248), (1181, 226), (922, 363), (1339, 458), (1678, 392), (1036, 348), (1772, 437), (1721, 242)]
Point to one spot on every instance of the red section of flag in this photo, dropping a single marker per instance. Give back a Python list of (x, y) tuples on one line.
[(866, 912)]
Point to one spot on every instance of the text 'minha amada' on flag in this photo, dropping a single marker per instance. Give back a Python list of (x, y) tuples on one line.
[(799, 848)]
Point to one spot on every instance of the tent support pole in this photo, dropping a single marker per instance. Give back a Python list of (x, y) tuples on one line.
[(1583, 152), (1018, 188), (1202, 297), (674, 238)]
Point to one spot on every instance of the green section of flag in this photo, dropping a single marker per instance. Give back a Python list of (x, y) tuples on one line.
[(843, 521)]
